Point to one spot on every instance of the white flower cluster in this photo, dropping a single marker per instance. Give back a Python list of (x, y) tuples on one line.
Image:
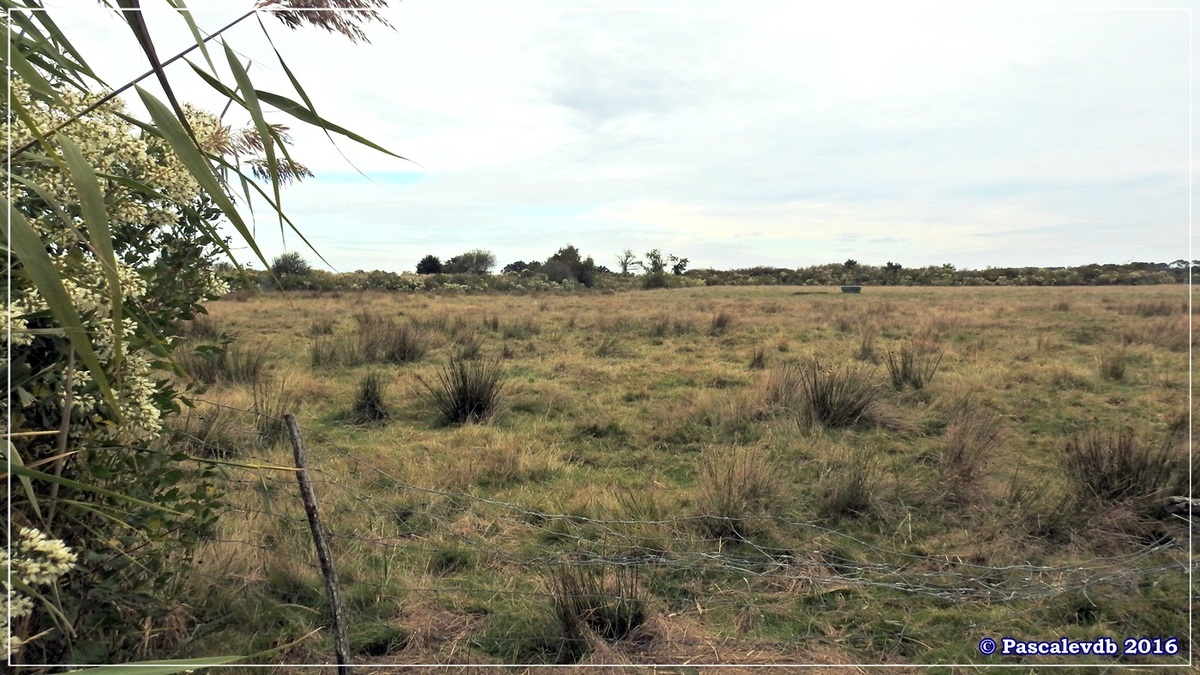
[(106, 143), (36, 560), (216, 287), (86, 284), (109, 146)]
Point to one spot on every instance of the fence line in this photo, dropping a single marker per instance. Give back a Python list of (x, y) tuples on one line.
[(386, 514)]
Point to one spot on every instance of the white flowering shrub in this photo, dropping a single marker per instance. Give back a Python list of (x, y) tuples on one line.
[(98, 199), (35, 560), (161, 238)]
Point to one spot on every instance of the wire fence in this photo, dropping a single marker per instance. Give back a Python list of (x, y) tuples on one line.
[(430, 545)]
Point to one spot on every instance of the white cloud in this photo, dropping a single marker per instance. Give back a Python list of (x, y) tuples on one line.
[(765, 131)]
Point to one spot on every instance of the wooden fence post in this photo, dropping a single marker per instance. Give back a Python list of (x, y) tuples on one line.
[(341, 645)]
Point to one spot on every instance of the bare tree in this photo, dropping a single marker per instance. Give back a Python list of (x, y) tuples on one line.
[(627, 261)]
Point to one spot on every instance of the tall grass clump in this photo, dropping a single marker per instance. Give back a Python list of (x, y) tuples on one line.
[(866, 343), (388, 342), (604, 599), (1115, 467), (1112, 364), (377, 341), (247, 364), (207, 432), (463, 391), (326, 352), (321, 326), (369, 407), (914, 366), (970, 437), (736, 490), (235, 364), (1149, 309), (470, 345), (271, 403), (200, 328), (721, 321), (836, 398), (758, 360), (610, 345), (848, 486)]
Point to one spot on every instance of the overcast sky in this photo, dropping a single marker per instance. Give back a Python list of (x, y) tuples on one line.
[(731, 133)]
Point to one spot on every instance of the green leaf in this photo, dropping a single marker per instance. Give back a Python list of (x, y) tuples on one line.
[(42, 54), (217, 84), (197, 164), (246, 183), (95, 215), (131, 10), (30, 123), (62, 45), (266, 134), (32, 77), (30, 250), (14, 459), (200, 42), (299, 89), (74, 484), (161, 667), (304, 114)]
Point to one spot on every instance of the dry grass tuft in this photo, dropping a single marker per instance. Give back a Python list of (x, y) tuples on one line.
[(836, 398), (1112, 364), (1115, 467), (463, 391), (721, 322), (321, 326), (914, 366), (758, 360), (971, 437), (866, 344), (737, 488), (607, 600), (848, 486), (369, 407)]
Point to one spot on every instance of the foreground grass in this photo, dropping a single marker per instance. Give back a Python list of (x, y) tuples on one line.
[(671, 443)]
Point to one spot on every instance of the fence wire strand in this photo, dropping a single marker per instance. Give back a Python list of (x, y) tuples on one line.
[(395, 518)]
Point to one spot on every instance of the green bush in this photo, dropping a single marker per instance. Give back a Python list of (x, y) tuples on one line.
[(290, 264)]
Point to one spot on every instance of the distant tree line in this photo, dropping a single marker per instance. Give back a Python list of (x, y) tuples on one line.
[(569, 269), (895, 274)]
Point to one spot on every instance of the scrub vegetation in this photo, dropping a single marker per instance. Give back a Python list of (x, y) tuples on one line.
[(707, 475)]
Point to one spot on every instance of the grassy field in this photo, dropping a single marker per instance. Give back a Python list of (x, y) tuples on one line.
[(708, 475)]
